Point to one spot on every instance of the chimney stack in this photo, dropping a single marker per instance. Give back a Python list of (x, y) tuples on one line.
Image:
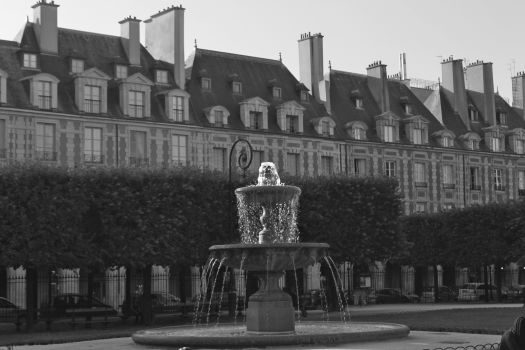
[(165, 40), (518, 91), (453, 83), (479, 78), (45, 25), (378, 84), (130, 36), (311, 62)]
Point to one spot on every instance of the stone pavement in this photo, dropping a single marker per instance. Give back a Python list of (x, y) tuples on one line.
[(415, 341)]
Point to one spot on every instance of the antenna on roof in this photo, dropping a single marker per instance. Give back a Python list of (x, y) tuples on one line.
[(329, 65), (280, 57), (195, 43), (27, 19)]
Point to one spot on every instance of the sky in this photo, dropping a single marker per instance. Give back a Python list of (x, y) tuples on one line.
[(356, 32)]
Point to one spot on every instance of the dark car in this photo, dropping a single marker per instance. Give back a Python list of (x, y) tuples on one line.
[(10, 313), (391, 295), (445, 294), (160, 303), (77, 305)]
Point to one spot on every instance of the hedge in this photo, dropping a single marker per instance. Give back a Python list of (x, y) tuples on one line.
[(100, 217)]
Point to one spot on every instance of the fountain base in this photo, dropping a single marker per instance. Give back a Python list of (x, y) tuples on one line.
[(236, 336)]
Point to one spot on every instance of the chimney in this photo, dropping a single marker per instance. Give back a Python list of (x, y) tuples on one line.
[(45, 25), (311, 62), (130, 36), (453, 83), (378, 84), (479, 78), (165, 40), (518, 91)]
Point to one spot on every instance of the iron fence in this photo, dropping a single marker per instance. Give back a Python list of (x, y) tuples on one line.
[(494, 346)]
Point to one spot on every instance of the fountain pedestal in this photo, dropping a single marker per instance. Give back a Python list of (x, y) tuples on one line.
[(270, 310)]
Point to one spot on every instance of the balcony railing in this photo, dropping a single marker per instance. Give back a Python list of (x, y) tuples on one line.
[(449, 186), (44, 102), (499, 188), (92, 106), (93, 158), (138, 161), (46, 155)]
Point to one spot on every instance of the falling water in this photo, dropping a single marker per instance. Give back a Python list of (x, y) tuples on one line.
[(236, 299), (337, 290), (345, 300), (324, 304), (212, 291), (203, 287), (296, 289), (222, 293)]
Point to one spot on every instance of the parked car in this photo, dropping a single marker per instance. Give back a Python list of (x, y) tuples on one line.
[(445, 294), (160, 303), (77, 305), (10, 313), (476, 291), (391, 295)]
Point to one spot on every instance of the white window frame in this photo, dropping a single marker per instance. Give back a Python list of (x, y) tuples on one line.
[(237, 88), (277, 92), (417, 136), (360, 167), (136, 159), (388, 133), (45, 143), (256, 120), (93, 144), (475, 178), (519, 146), (495, 144), (521, 182), (448, 176), (77, 65), (293, 164), (44, 94), (206, 84), (177, 112), (30, 60), (219, 164), (327, 165), (390, 168), (121, 71), (292, 123), (136, 105), (179, 149), (161, 76), (497, 176), (420, 174), (92, 102)]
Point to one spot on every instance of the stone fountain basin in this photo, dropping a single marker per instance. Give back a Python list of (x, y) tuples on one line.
[(268, 194), (270, 256)]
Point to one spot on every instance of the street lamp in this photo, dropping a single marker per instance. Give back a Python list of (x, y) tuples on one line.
[(244, 160)]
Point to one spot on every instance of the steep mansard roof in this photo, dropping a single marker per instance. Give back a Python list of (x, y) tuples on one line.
[(257, 76)]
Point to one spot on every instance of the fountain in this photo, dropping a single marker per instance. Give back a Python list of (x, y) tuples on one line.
[(269, 246)]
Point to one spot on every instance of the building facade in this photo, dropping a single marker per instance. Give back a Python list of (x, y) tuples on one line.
[(72, 98)]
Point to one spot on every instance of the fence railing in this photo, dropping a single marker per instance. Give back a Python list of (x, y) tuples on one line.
[(494, 346)]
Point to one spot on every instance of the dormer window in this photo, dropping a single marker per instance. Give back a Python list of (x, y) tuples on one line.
[(91, 90), (325, 128), (135, 94), (495, 144), (387, 125), (445, 137), (473, 114), (29, 60), (217, 115), (92, 98), (206, 84), (254, 113), (470, 140), (161, 77), (292, 124), (77, 66), (501, 118), (407, 108), (519, 146), (276, 92), (136, 104), (43, 90), (290, 116), (121, 71), (447, 141), (237, 88), (177, 112), (176, 105), (517, 140), (495, 138), (304, 96), (356, 130), (358, 102)]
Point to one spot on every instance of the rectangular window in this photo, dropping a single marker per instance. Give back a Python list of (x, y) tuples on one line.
[(325, 128), (93, 145), (255, 120), (276, 92), (407, 108), (177, 113), (3, 153), (448, 178), (43, 93), (237, 88), (473, 115), (495, 144), (421, 207), (446, 141), (257, 159), (121, 71), (179, 149), (501, 118), (358, 133), (219, 159), (292, 123), (327, 167), (138, 148), (498, 180), (136, 104), (206, 83), (388, 133), (29, 60), (292, 164), (304, 96), (91, 99), (161, 77), (420, 178), (358, 103), (390, 168), (475, 180), (77, 66), (45, 142), (521, 182), (360, 167), (219, 118), (518, 146), (417, 135)]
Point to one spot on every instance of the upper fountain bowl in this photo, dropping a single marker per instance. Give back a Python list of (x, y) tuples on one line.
[(268, 194)]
